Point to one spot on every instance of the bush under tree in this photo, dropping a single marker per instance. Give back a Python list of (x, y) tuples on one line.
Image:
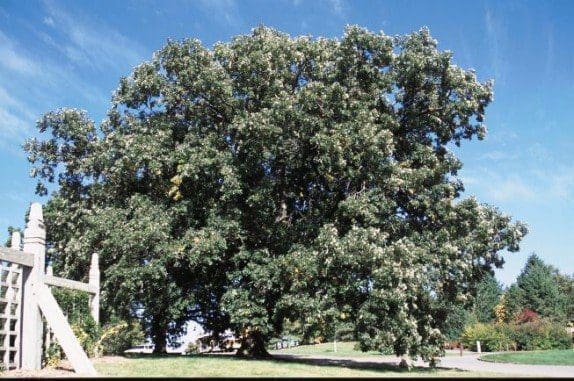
[(119, 335)]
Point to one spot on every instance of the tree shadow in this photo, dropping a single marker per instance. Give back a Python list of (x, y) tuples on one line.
[(382, 366)]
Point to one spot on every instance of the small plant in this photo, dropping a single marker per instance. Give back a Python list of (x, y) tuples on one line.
[(492, 337), (119, 336), (192, 349), (501, 311), (75, 305), (528, 336), (527, 316), (53, 355), (541, 335), (88, 336)]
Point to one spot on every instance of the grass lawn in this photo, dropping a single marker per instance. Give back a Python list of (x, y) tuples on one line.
[(552, 357), (344, 349), (327, 364), (229, 366)]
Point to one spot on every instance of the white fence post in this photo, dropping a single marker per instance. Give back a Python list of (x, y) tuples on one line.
[(16, 241), (32, 326), (16, 244), (94, 281)]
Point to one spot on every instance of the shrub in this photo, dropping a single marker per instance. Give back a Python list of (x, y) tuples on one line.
[(526, 316), (492, 337), (272, 343), (75, 305), (501, 310), (53, 355), (191, 349), (319, 340), (541, 335), (120, 335), (88, 336), (536, 335)]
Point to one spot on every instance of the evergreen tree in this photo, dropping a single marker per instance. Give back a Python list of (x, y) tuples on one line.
[(538, 289), (566, 287), (488, 294)]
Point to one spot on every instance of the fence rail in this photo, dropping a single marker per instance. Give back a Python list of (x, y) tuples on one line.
[(25, 296)]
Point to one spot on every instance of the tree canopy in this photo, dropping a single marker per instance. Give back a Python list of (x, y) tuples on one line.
[(275, 178)]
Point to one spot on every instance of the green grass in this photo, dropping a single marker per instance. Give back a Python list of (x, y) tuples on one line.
[(552, 357), (344, 349), (230, 366), (326, 363)]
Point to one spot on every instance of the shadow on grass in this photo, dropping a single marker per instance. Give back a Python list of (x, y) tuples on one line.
[(179, 355), (152, 355), (354, 364), (378, 366)]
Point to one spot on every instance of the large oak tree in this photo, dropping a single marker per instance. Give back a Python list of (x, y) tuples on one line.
[(274, 178)]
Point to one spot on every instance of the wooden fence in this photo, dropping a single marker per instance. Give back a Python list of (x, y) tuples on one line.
[(25, 298)]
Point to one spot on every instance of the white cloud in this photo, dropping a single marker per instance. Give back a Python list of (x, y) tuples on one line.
[(539, 152), (92, 44), (13, 59), (469, 179), (226, 9), (39, 74), (336, 6), (546, 184), (502, 135), (48, 21), (495, 34), (562, 185), (496, 155), (14, 196), (27, 82), (16, 120), (558, 182), (513, 188)]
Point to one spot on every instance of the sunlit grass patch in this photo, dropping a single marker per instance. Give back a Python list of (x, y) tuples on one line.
[(230, 366), (551, 357)]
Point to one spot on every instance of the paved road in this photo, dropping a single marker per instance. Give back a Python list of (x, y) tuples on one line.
[(472, 363), (469, 361)]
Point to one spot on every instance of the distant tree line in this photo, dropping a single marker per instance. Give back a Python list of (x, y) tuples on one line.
[(532, 313)]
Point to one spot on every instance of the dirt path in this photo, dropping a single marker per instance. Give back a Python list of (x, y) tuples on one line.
[(63, 370)]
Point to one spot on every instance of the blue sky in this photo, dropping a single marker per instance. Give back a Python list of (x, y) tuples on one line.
[(72, 53)]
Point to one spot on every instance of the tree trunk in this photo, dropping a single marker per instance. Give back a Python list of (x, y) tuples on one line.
[(159, 337), (253, 345)]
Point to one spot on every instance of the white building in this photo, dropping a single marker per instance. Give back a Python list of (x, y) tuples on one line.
[(194, 331)]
